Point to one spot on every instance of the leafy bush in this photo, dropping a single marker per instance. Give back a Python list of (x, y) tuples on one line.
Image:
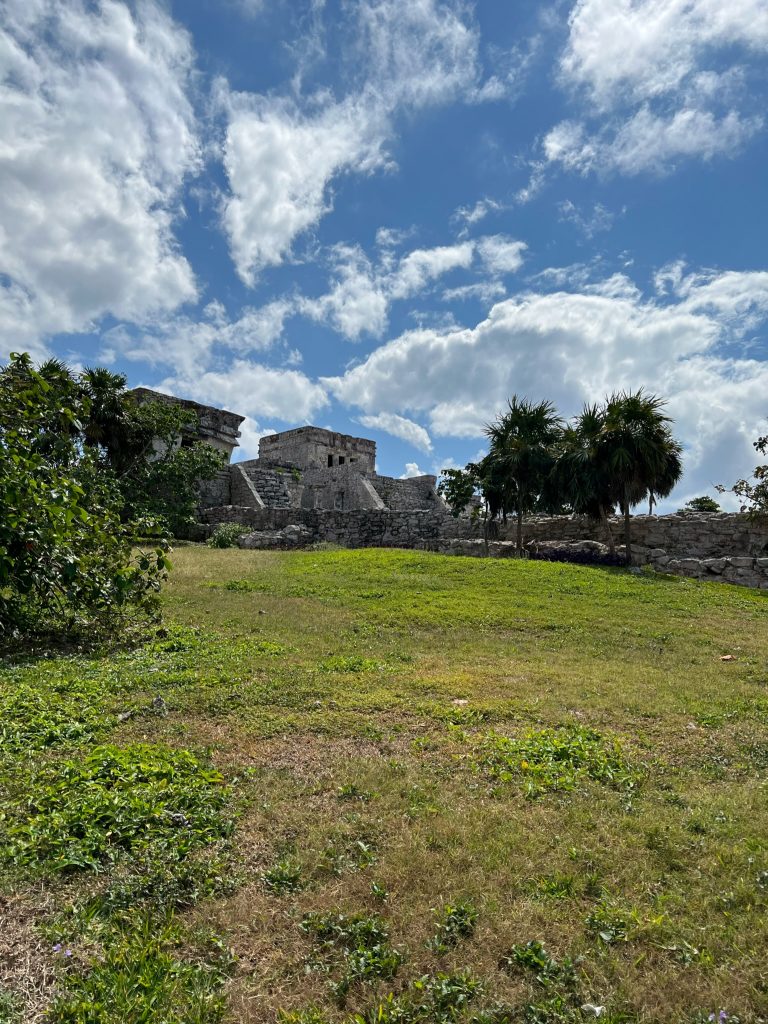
[(455, 922), (555, 759), (226, 535), (360, 941), (65, 554), (141, 977), (81, 813)]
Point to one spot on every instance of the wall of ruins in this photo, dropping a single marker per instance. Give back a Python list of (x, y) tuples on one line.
[(722, 546), (309, 447), (407, 495), (702, 535)]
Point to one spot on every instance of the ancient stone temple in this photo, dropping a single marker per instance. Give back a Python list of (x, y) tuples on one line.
[(312, 468)]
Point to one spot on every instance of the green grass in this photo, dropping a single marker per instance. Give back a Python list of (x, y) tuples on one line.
[(382, 786)]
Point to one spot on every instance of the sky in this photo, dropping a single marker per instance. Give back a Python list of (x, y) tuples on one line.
[(386, 217)]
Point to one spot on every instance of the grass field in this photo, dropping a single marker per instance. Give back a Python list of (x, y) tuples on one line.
[(389, 786)]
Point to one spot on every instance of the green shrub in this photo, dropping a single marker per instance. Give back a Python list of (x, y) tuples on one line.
[(140, 978), (226, 535), (455, 922), (65, 555), (555, 759), (82, 813)]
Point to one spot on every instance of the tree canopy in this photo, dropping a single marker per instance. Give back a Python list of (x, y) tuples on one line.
[(84, 471), (611, 456)]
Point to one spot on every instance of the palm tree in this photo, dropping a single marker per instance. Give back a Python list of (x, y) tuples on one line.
[(643, 458), (105, 426), (582, 472), (522, 442)]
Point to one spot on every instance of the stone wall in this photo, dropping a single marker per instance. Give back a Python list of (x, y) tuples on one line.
[(726, 547), (215, 492), (697, 534), (416, 492)]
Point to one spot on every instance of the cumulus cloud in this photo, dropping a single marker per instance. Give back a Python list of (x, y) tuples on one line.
[(279, 162), (98, 136), (650, 48), (575, 346), (282, 154), (642, 67), (411, 470), (362, 291), (357, 302), (501, 255), (189, 343), (261, 392), (399, 426)]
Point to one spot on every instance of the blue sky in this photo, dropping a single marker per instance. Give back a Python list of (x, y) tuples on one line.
[(387, 216)]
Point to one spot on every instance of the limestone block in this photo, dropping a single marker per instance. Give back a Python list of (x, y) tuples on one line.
[(742, 563), (716, 565)]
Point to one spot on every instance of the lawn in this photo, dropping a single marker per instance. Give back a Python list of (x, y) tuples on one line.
[(390, 786)]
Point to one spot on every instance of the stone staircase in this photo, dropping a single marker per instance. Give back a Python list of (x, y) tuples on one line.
[(270, 485)]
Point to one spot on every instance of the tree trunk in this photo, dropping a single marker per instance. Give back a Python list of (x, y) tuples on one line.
[(627, 538), (519, 528), (608, 531)]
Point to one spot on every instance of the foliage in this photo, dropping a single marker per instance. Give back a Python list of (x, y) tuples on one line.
[(532, 957), (148, 447), (284, 877), (613, 454), (459, 487), (551, 760), (82, 813), (522, 444), (142, 977), (753, 494), (643, 458), (701, 504), (65, 555), (362, 943), (226, 535), (455, 922), (31, 720), (431, 999)]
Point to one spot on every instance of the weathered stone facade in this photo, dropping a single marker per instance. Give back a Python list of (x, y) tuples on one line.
[(312, 468), (216, 427)]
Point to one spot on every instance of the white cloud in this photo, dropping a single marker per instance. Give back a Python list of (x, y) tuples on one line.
[(399, 426), (485, 291), (639, 49), (500, 254), (589, 223), (281, 155), (421, 266), (250, 435), (577, 346), (356, 303), (411, 470), (470, 215), (252, 389), (643, 67), (188, 344), (362, 292), (279, 162), (98, 136)]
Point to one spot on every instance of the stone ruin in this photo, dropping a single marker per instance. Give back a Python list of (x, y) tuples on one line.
[(310, 485)]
